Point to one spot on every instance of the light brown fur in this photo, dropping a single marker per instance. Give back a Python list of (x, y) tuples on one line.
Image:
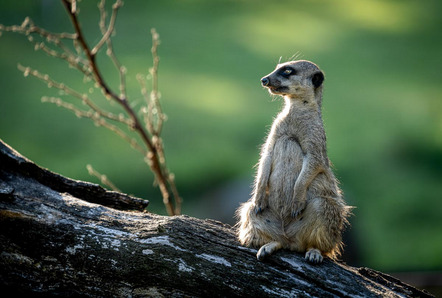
[(296, 202)]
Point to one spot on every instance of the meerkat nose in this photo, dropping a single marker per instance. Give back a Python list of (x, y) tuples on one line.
[(265, 81)]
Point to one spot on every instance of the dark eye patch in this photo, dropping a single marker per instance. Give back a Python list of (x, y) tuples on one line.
[(287, 71)]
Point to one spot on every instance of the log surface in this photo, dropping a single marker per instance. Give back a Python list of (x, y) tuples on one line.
[(71, 238)]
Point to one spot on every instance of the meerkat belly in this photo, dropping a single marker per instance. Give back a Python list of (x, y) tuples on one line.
[(286, 166)]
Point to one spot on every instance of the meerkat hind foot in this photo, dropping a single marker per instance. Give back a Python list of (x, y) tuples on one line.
[(314, 256), (268, 249)]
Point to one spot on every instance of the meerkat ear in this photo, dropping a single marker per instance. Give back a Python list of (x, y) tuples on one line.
[(317, 79)]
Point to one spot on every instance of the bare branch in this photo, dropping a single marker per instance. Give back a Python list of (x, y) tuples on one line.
[(83, 58), (153, 157), (69, 91)]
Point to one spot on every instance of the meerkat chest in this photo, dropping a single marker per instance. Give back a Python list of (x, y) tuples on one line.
[(287, 161), (287, 153), (290, 136)]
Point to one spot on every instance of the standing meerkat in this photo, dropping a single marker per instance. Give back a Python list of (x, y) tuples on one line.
[(296, 202)]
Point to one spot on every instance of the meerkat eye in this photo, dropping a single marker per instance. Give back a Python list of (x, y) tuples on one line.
[(287, 71)]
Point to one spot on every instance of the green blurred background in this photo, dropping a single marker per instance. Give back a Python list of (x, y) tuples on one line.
[(382, 107)]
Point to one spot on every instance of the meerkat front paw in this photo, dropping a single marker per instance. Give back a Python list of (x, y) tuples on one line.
[(314, 256), (297, 208), (260, 208), (298, 203), (261, 202)]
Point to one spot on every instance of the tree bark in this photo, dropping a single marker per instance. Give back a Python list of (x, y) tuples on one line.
[(71, 238)]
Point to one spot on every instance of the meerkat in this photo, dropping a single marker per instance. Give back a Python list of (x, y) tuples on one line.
[(296, 203)]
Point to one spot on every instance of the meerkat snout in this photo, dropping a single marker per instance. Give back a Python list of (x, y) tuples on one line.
[(265, 81), (272, 83)]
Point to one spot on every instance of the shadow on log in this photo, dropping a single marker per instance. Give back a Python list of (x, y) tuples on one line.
[(71, 238)]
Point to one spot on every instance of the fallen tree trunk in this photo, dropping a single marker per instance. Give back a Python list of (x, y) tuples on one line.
[(71, 238)]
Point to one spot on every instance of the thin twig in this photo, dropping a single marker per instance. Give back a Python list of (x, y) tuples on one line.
[(107, 33), (103, 178), (156, 113), (28, 29), (83, 97), (98, 120), (110, 52)]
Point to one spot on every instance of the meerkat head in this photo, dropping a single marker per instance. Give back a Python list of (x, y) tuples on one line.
[(296, 80)]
